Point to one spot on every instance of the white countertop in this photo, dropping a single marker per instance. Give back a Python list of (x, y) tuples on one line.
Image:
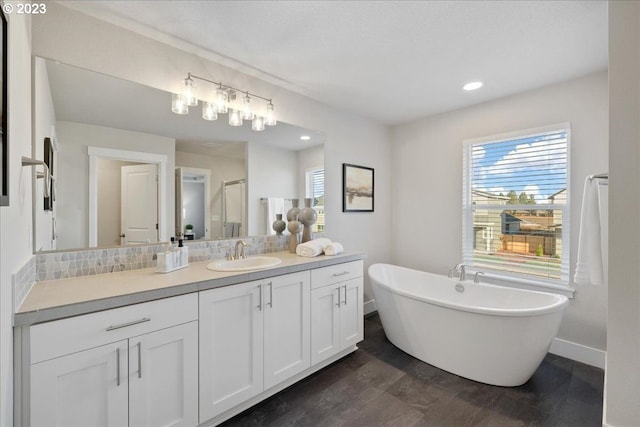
[(56, 299)]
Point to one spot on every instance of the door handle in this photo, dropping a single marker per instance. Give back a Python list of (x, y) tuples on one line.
[(338, 289), (117, 367), (270, 294), (345, 294), (260, 298), (139, 359), (122, 235)]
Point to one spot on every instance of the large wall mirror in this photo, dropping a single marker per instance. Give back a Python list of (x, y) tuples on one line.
[(126, 170)]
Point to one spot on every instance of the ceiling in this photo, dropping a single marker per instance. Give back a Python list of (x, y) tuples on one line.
[(393, 61)]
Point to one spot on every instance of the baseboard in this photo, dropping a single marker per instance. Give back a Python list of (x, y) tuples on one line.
[(578, 352), (370, 307)]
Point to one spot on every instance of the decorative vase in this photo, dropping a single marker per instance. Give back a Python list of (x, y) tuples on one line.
[(279, 225), (294, 238), (308, 217), (294, 211)]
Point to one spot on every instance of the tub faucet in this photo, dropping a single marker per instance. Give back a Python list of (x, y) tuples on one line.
[(241, 254), (460, 268)]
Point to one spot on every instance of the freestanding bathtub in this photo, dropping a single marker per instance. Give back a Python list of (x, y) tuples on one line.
[(491, 334)]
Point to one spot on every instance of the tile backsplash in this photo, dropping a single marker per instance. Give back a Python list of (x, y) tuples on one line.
[(63, 265), (22, 281)]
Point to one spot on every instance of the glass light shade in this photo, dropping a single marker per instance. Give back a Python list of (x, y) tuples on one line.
[(235, 117), (209, 111), (178, 105), (222, 97), (270, 117), (188, 93), (246, 108), (258, 123)]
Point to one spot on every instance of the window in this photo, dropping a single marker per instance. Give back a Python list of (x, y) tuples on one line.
[(315, 191), (515, 204)]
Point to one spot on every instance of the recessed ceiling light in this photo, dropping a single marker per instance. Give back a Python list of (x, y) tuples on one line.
[(472, 86), (305, 137)]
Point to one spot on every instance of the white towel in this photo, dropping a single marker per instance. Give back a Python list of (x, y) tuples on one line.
[(275, 205), (334, 248), (589, 270), (312, 247)]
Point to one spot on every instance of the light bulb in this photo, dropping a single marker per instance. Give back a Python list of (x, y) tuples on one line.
[(188, 93), (178, 105), (235, 118), (209, 111), (246, 108), (270, 117), (257, 123), (221, 100)]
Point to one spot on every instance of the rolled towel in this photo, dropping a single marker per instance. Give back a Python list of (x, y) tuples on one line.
[(334, 248), (312, 247)]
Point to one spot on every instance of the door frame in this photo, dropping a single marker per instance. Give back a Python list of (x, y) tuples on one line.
[(206, 173), (129, 156)]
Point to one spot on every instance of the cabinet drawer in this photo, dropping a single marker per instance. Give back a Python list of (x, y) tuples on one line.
[(336, 273), (60, 337)]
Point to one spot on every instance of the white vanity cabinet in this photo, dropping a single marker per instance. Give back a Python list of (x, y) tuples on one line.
[(252, 336), (337, 320), (131, 366)]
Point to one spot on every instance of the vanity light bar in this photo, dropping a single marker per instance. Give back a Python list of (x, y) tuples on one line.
[(225, 94)]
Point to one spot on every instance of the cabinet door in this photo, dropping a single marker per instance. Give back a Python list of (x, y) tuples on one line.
[(231, 369), (351, 317), (163, 377), (88, 388), (286, 327), (325, 323)]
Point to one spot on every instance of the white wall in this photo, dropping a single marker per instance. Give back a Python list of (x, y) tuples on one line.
[(268, 168), (74, 38), (43, 126), (15, 220), (427, 165), (73, 174), (622, 384), (222, 169)]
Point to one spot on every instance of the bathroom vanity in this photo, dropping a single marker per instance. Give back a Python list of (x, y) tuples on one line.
[(193, 347)]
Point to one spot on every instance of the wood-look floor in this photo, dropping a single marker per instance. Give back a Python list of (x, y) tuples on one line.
[(379, 385)]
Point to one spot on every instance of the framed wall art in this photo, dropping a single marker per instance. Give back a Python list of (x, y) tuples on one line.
[(358, 188)]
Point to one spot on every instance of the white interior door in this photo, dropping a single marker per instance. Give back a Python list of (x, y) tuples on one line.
[(139, 203)]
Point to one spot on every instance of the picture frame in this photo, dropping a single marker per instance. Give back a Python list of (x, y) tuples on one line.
[(49, 161), (357, 188), (4, 116)]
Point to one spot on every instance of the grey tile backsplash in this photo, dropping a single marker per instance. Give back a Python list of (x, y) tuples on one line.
[(22, 281), (63, 265)]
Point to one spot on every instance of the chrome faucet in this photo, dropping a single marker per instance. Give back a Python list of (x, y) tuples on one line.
[(460, 268), (241, 254)]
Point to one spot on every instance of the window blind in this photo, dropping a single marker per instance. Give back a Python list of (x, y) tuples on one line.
[(515, 203)]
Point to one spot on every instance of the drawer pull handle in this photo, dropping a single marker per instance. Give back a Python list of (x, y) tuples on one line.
[(139, 359), (340, 274), (124, 325), (117, 367)]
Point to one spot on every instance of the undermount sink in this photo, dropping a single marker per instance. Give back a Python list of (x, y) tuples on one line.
[(245, 264)]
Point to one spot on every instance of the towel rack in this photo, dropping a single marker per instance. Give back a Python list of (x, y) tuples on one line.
[(600, 176)]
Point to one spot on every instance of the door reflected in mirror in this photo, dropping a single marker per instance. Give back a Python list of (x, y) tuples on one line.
[(132, 172)]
